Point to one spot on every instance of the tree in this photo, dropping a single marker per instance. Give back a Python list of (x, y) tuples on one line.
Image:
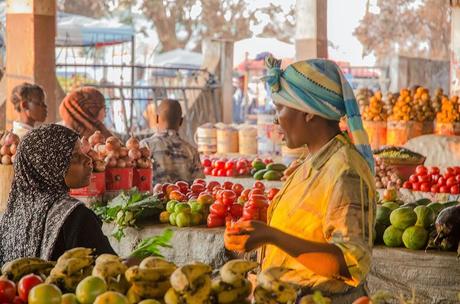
[(89, 8), (185, 23), (406, 27)]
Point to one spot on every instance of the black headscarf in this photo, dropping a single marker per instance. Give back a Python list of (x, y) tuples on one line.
[(39, 202)]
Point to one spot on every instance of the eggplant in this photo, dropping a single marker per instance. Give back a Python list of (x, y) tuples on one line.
[(448, 229)]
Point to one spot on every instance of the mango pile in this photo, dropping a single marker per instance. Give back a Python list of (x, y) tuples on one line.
[(449, 110), (413, 107), (375, 111), (270, 172)]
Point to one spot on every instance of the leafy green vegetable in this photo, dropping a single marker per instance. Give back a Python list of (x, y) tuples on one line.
[(151, 246), (126, 208)]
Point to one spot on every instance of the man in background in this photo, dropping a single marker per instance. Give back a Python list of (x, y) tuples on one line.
[(174, 159)]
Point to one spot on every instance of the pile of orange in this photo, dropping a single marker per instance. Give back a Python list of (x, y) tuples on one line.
[(449, 110), (375, 111)]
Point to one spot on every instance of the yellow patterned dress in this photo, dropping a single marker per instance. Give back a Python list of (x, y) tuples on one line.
[(330, 198)]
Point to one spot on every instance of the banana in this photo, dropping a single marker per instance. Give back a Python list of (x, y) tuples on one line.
[(262, 296), (183, 278), (149, 290), (286, 293), (172, 297), (270, 281), (135, 273), (118, 284), (235, 270), (201, 293), (78, 252), (109, 269), (65, 283), (226, 293), (106, 258), (74, 265), (155, 262), (133, 297), (18, 268)]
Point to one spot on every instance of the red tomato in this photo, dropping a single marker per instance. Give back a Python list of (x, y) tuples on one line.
[(259, 185), (407, 185), (242, 172), (207, 170), (230, 165), (17, 300), (230, 172), (455, 189), (197, 188), (258, 202), (434, 170), (451, 170), (221, 172), (245, 194), (444, 189), (165, 187), (177, 195), (456, 170), (215, 221), (263, 214), (241, 164), (441, 181), (435, 189), (421, 170), (448, 175), (219, 194), (218, 209), (425, 178), (200, 181), (268, 161), (220, 164), (425, 187), (435, 177), (256, 191), (250, 214), (170, 188), (227, 185), (413, 178), (215, 172), (183, 186), (228, 197), (238, 189), (7, 291), (212, 185), (451, 181), (416, 186), (272, 193), (457, 178), (206, 162), (236, 211), (26, 284)]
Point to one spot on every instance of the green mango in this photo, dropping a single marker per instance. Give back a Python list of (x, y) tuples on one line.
[(258, 165), (273, 175), (259, 175), (276, 167)]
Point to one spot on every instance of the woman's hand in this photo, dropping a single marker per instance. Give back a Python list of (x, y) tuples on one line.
[(247, 236)]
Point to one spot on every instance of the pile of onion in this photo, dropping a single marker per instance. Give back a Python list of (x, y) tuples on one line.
[(139, 156), (90, 147), (8, 146)]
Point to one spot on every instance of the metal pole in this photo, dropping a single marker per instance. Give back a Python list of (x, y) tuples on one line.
[(133, 55)]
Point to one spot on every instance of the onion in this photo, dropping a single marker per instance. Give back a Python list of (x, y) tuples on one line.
[(110, 162), (94, 155), (13, 158), (100, 148), (96, 138), (134, 154), (123, 152), (85, 146), (112, 143), (145, 152), (98, 166), (121, 163), (5, 150), (6, 160), (143, 163), (128, 161), (10, 139), (132, 143), (114, 154), (13, 149)]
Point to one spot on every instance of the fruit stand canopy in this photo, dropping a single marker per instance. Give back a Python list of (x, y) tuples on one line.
[(80, 31)]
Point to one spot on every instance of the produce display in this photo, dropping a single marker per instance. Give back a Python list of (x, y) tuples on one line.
[(432, 180), (267, 170), (224, 167), (413, 107), (449, 111), (436, 101), (362, 97), (375, 111), (212, 203), (8, 146), (80, 277), (418, 225)]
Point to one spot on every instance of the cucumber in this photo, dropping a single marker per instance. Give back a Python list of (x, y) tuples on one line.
[(276, 167), (272, 175)]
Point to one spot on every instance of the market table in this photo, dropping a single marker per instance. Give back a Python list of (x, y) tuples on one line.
[(435, 276)]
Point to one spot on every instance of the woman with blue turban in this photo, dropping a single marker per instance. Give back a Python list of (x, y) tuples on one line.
[(320, 225)]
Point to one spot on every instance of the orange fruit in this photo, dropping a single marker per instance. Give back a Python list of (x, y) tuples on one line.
[(89, 288), (45, 294), (111, 297)]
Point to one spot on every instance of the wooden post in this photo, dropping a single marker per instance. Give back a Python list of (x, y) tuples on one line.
[(311, 29), (226, 73), (455, 48), (30, 50)]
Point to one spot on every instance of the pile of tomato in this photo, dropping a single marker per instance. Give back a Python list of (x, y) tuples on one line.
[(430, 179), (233, 202), (225, 167), (10, 293)]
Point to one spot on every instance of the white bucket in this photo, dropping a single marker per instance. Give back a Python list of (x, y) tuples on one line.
[(206, 139), (247, 138)]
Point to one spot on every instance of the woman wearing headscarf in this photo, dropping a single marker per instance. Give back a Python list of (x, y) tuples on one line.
[(320, 225), (41, 219), (83, 110)]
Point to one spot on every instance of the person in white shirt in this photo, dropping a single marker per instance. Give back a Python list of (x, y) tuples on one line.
[(29, 101)]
